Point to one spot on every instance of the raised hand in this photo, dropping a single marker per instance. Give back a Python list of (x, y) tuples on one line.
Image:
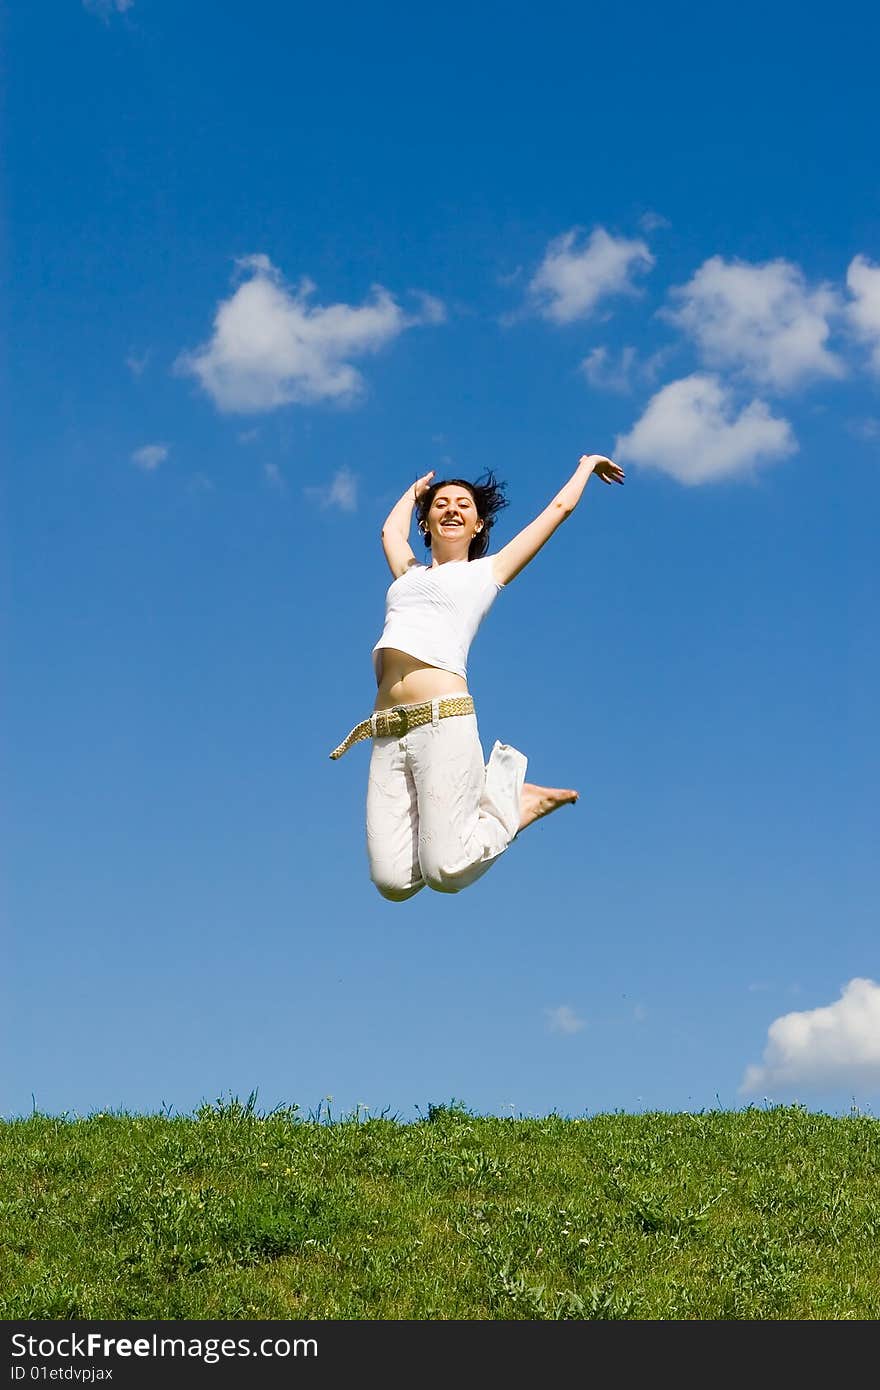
[(421, 485), (603, 468)]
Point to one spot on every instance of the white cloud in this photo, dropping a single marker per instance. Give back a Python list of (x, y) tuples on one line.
[(150, 456), (571, 280), (341, 493), (272, 346), (200, 482), (274, 477), (867, 428), (510, 279), (137, 365), (761, 320), (605, 372), (834, 1046), (606, 375), (863, 311), (104, 8), (433, 309), (563, 1019), (652, 366), (691, 431), (653, 221)]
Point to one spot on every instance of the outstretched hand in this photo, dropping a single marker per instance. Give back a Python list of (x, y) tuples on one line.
[(421, 485), (603, 468)]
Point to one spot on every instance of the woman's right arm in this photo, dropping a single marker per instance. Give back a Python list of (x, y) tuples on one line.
[(395, 532)]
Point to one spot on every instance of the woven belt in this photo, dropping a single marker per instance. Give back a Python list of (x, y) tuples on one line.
[(394, 723)]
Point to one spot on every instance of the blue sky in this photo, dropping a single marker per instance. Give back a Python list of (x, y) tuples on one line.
[(263, 267)]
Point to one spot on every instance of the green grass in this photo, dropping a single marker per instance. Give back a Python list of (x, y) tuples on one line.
[(228, 1214)]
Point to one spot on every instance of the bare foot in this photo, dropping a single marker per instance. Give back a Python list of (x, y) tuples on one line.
[(540, 801)]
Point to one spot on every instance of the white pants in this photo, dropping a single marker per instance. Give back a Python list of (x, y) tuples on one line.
[(436, 813)]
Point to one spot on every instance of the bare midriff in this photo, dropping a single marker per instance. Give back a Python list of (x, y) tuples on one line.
[(408, 681)]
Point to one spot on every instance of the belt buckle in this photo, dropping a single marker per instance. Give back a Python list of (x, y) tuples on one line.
[(402, 715)]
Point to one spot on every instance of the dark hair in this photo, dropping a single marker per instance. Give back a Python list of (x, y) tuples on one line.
[(489, 499)]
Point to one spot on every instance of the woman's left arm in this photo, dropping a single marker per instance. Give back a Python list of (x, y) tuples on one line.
[(514, 556)]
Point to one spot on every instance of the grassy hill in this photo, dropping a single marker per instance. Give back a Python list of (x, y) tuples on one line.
[(228, 1214)]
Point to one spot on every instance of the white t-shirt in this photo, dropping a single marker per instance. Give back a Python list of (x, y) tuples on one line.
[(433, 612)]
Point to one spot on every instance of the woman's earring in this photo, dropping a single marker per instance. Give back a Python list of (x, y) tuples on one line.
[(423, 528)]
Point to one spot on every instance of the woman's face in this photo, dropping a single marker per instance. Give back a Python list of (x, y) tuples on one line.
[(453, 516)]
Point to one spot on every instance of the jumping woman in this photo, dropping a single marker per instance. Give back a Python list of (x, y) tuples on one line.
[(437, 815)]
